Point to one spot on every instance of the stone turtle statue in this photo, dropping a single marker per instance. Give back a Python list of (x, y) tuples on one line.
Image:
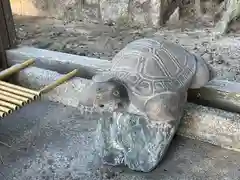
[(155, 75), (146, 89)]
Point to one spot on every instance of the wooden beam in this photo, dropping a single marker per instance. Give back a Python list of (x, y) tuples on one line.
[(7, 33), (9, 23), (3, 32), (3, 57)]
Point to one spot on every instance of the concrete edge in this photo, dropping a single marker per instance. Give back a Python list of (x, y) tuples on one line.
[(58, 61), (207, 124)]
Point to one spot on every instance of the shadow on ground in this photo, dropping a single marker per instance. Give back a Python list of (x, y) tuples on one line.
[(63, 149)]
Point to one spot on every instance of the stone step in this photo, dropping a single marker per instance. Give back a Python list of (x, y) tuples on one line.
[(218, 93), (207, 124)]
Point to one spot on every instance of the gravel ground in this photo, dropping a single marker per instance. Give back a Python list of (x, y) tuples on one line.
[(63, 149), (104, 41)]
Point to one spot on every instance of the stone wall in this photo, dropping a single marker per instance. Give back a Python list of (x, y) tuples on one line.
[(138, 12)]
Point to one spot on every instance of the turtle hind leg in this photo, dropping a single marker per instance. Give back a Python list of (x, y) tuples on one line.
[(165, 107), (202, 74)]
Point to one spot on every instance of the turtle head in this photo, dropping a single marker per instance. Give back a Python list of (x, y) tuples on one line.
[(109, 94)]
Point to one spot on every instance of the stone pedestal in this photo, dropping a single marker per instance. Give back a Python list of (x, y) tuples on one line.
[(131, 140)]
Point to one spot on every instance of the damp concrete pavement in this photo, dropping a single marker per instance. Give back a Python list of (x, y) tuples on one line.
[(50, 141)]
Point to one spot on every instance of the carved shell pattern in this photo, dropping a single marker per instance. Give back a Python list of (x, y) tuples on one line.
[(149, 67)]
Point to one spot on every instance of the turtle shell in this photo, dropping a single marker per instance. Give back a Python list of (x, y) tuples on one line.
[(148, 66)]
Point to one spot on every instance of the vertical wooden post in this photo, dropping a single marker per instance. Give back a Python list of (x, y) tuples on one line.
[(3, 57), (7, 33), (3, 31), (9, 23)]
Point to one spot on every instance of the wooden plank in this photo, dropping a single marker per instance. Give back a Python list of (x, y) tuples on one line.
[(3, 32), (9, 23)]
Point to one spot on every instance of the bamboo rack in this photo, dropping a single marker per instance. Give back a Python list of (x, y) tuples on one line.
[(13, 97)]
